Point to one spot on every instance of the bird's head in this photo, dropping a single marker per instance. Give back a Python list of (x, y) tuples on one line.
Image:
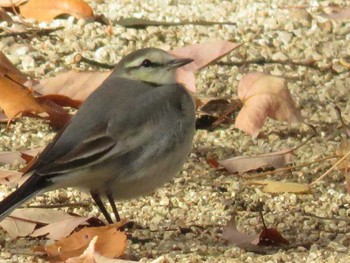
[(150, 65)]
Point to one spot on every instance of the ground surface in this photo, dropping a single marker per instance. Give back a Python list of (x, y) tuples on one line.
[(202, 195)]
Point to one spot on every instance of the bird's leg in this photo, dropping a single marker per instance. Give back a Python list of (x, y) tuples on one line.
[(114, 207), (96, 197)]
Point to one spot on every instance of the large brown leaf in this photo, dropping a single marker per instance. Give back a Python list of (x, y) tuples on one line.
[(8, 69), (110, 243), (45, 10), (75, 85), (264, 96), (203, 54)]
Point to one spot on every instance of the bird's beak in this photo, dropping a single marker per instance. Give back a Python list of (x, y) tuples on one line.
[(179, 62)]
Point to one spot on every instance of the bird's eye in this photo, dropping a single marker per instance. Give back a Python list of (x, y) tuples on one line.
[(146, 63)]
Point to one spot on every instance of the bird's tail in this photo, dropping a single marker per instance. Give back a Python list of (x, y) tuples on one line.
[(33, 186)]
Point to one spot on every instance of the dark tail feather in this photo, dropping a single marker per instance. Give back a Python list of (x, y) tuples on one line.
[(30, 188)]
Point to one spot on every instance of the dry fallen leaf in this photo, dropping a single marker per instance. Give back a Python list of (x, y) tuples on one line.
[(90, 255), (61, 228), (253, 242), (9, 177), (110, 243), (75, 85), (243, 164), (276, 187), (45, 11), (336, 12), (342, 150), (203, 55), (271, 237), (12, 157), (57, 224), (5, 17), (8, 69), (240, 239), (16, 99), (264, 96)]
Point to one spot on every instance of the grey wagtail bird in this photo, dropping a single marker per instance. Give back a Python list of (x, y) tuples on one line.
[(129, 137)]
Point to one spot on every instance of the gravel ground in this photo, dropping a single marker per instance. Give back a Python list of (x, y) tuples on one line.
[(203, 197)]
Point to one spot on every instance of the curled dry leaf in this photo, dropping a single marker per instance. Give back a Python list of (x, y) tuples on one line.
[(45, 11), (271, 237), (276, 187), (74, 85), (264, 96), (15, 99), (110, 243), (203, 54), (243, 164)]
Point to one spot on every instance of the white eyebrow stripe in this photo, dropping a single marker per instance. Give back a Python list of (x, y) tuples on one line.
[(135, 63)]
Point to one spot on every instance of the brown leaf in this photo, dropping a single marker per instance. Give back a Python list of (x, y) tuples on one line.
[(264, 96), (342, 150), (336, 12), (61, 228), (240, 239), (5, 17), (22, 222), (45, 11), (271, 237), (16, 99), (90, 255), (203, 54), (75, 85), (276, 187), (9, 177), (17, 156), (242, 164), (8, 69), (110, 243)]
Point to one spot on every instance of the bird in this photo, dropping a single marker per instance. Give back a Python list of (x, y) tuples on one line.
[(130, 136)]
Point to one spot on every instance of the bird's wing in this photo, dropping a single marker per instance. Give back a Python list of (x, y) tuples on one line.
[(131, 125)]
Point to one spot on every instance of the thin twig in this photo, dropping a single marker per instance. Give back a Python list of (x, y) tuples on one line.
[(326, 218), (59, 205), (34, 31), (284, 169), (340, 117), (234, 106), (330, 169), (79, 58), (263, 61)]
